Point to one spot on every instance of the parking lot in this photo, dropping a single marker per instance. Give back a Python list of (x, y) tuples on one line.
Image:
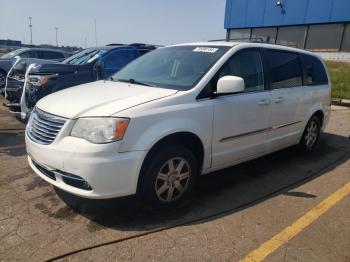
[(231, 215)]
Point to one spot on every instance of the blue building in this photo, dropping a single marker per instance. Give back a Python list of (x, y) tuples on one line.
[(309, 24)]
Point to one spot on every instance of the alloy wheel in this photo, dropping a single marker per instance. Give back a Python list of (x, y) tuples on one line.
[(173, 179), (311, 134)]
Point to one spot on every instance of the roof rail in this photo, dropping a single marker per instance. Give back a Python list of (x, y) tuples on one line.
[(254, 40)]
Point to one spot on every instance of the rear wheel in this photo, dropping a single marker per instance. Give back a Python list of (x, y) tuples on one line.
[(311, 134), (169, 177)]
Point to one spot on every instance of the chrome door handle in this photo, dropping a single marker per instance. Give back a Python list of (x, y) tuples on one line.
[(264, 102), (279, 100)]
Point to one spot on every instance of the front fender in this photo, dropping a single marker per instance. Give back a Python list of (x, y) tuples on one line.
[(145, 131)]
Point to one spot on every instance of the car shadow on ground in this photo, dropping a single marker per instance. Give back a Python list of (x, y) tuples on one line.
[(223, 192), (12, 142)]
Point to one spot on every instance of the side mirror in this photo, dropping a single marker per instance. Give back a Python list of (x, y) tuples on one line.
[(229, 85)]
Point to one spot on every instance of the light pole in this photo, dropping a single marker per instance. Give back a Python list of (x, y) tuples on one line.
[(95, 34), (31, 30), (56, 28)]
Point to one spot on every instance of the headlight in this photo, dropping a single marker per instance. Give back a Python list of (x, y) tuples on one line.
[(39, 80), (100, 130)]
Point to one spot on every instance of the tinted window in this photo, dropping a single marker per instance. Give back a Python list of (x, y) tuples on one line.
[(324, 37), (28, 54), (50, 55), (118, 59), (266, 35), (292, 36), (346, 39), (239, 34), (285, 69), (248, 65), (315, 71)]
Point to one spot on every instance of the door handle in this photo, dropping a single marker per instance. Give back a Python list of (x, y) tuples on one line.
[(264, 102), (279, 99)]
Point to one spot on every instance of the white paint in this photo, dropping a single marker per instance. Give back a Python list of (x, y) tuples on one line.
[(113, 169)]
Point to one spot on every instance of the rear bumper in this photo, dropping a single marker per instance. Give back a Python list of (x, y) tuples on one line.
[(109, 173)]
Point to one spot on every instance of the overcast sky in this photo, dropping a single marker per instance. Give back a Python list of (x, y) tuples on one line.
[(118, 21)]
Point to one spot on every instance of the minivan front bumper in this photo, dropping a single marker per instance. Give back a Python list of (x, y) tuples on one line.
[(108, 174)]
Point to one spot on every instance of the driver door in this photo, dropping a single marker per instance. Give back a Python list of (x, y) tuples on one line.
[(241, 120)]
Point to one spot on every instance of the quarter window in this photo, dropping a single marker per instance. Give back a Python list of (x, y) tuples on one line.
[(285, 69), (315, 71), (248, 65)]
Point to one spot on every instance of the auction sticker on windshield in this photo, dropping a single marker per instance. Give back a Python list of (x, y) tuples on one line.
[(205, 49)]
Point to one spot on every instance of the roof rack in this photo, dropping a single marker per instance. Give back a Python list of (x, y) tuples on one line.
[(254, 40)]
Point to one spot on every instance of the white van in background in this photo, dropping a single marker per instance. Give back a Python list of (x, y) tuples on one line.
[(176, 113)]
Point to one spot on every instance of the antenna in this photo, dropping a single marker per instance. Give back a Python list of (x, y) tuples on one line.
[(56, 28), (31, 29)]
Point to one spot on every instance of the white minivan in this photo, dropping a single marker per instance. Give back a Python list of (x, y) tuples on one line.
[(176, 113)]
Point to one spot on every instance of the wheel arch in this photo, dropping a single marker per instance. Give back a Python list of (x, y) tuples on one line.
[(320, 115), (184, 138)]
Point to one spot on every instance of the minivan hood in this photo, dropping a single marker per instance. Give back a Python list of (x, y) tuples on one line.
[(53, 68), (100, 98)]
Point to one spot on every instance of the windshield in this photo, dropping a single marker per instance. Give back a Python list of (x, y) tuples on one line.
[(12, 54), (84, 57), (178, 67)]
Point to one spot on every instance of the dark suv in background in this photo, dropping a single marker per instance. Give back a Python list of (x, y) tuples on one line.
[(8, 60), (86, 66)]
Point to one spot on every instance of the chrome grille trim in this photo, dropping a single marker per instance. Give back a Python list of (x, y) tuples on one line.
[(44, 127)]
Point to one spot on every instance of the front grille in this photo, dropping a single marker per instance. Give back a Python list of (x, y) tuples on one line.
[(44, 127)]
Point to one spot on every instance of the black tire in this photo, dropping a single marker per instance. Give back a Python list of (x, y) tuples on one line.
[(311, 135), (3, 75), (150, 181)]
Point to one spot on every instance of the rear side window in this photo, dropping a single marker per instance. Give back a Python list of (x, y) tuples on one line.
[(285, 69), (314, 70), (50, 55), (28, 54)]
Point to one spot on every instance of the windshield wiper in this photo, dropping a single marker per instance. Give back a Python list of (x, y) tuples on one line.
[(133, 81)]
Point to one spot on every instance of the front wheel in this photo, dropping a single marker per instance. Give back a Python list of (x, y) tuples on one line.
[(169, 177), (311, 135)]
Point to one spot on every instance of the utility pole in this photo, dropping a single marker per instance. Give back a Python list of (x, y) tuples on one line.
[(95, 34), (31, 29), (56, 28)]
